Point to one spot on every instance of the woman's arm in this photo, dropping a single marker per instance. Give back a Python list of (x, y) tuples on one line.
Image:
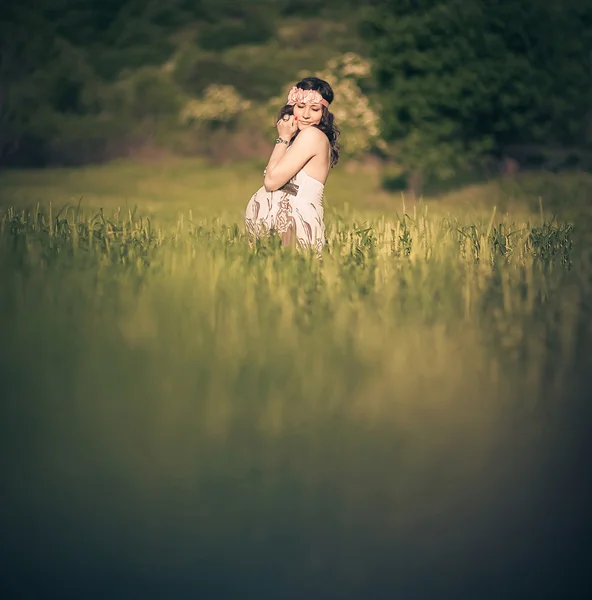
[(284, 165), (278, 153)]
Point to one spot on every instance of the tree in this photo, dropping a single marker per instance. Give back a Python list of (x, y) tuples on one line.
[(22, 56), (461, 79)]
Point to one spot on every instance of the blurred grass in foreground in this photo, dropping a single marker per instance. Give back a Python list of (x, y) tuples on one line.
[(187, 414)]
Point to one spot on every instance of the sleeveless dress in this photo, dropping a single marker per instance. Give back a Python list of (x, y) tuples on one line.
[(294, 212)]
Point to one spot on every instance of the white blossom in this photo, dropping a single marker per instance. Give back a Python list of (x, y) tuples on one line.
[(219, 103), (358, 121)]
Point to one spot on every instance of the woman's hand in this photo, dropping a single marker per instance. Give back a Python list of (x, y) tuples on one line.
[(287, 127)]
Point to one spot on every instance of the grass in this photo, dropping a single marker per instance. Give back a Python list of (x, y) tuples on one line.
[(167, 188), (179, 405)]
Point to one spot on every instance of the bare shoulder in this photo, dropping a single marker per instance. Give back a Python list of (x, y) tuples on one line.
[(313, 135)]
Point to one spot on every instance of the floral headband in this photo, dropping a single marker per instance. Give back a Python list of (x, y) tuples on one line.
[(297, 96)]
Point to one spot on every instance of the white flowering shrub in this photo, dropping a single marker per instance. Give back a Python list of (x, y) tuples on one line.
[(355, 117), (220, 103), (358, 121), (350, 64)]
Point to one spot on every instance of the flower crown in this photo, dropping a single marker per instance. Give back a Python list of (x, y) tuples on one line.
[(299, 96)]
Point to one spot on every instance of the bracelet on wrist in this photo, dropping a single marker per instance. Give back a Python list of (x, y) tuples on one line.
[(281, 141)]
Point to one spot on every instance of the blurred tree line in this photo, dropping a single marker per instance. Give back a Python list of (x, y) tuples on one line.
[(456, 81), (461, 81), (83, 79)]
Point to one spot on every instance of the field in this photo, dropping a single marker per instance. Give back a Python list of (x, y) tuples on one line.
[(184, 415)]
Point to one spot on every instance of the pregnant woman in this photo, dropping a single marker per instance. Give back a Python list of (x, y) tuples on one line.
[(291, 199)]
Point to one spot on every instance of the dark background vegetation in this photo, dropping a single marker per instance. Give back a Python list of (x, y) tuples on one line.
[(460, 82)]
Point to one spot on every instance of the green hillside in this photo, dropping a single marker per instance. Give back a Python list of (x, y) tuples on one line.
[(108, 79), (442, 89)]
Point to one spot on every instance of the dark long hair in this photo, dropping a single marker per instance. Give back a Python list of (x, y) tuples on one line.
[(327, 123)]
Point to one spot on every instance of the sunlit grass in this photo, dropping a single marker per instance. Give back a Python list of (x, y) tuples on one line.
[(169, 187), (163, 377), (405, 274), (379, 281)]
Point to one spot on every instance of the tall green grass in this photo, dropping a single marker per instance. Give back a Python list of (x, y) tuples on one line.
[(176, 396)]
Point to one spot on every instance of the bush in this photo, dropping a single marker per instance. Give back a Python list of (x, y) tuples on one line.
[(251, 78), (237, 23), (353, 112), (461, 80), (131, 44), (220, 103), (218, 37)]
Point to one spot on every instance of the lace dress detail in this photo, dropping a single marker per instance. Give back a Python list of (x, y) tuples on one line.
[(294, 212)]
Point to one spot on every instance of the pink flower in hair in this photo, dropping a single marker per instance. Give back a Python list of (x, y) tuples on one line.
[(297, 95)]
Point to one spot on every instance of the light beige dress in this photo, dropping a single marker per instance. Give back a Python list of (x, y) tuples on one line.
[(294, 212)]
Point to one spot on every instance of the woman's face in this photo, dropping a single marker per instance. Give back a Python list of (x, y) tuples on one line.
[(307, 114)]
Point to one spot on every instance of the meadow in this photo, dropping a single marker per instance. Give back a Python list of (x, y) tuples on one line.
[(187, 415)]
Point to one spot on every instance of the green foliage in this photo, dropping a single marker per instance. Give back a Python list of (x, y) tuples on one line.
[(248, 76), (84, 22), (308, 8), (227, 35), (155, 96), (135, 43), (127, 66), (461, 79), (244, 24)]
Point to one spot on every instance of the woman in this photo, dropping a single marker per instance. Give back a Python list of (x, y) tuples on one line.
[(291, 199)]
